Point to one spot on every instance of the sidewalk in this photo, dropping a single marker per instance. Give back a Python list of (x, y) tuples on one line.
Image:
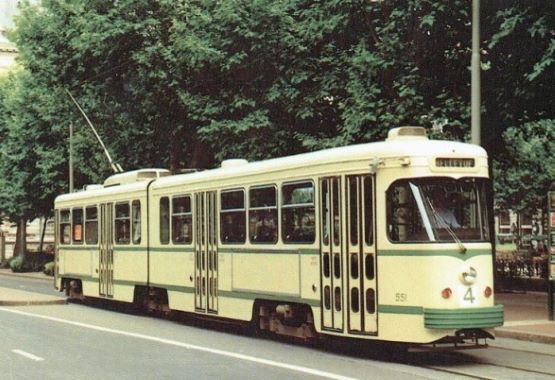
[(526, 317), (16, 297), (525, 313)]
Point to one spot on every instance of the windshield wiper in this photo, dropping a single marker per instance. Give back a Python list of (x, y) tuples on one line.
[(440, 222)]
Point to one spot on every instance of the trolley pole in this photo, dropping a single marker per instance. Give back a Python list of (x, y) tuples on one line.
[(475, 74)]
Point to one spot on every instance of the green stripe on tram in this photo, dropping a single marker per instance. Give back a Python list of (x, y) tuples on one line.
[(190, 249), (395, 309), (434, 253), (270, 251), (244, 295)]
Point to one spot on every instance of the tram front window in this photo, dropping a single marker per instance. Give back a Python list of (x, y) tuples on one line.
[(437, 210)]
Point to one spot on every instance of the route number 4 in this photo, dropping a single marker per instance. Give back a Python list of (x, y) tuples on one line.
[(468, 296)]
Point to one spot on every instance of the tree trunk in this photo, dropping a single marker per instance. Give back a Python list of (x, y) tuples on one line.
[(42, 234), (21, 237)]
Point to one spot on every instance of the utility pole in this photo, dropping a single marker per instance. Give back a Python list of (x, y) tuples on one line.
[(475, 74), (71, 157)]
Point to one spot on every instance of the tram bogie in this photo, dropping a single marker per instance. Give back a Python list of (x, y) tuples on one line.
[(384, 241)]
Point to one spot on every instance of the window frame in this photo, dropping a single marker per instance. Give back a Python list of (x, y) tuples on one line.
[(62, 224), (252, 210), (89, 221), (285, 207), (185, 215), (164, 236), (136, 234), (230, 212), (74, 231), (123, 219)]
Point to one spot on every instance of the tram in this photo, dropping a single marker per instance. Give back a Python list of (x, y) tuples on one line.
[(382, 241)]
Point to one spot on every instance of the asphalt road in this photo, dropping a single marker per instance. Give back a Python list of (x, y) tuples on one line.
[(82, 342), (77, 341), (29, 284)]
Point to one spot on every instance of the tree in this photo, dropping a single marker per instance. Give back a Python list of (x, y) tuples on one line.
[(30, 155), (519, 52), (522, 183), (191, 83)]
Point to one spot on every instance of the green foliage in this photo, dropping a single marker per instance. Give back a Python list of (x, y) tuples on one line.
[(522, 183), (49, 268), (30, 262), (17, 264), (187, 84)]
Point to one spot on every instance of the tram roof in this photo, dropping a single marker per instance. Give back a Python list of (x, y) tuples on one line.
[(381, 150), (395, 148)]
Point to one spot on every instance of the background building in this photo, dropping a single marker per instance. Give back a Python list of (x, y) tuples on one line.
[(8, 51)]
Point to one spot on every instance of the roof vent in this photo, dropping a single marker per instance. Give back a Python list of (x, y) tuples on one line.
[(233, 163), (92, 187), (135, 176), (407, 133)]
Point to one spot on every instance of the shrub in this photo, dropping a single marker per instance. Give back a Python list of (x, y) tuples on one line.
[(30, 262), (17, 264), (49, 268)]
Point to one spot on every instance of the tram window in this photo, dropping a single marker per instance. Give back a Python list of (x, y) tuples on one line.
[(326, 265), (336, 266), (263, 215), (369, 266), (354, 266), (232, 217), (298, 220), (182, 220), (355, 302), (65, 227), (370, 301), (77, 223), (327, 297), (353, 209), (91, 225), (164, 220), (437, 210), (122, 224), (337, 298), (136, 221), (368, 208), (336, 224), (325, 212)]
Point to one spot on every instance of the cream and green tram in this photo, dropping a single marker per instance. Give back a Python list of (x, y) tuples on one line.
[(386, 241)]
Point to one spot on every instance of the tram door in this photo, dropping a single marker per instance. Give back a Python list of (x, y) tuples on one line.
[(106, 264), (360, 270), (348, 258), (206, 253), (331, 254)]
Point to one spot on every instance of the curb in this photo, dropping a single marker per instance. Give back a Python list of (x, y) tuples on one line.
[(33, 303), (26, 275), (529, 337)]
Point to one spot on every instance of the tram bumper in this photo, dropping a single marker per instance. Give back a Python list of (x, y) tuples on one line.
[(464, 318), (467, 326)]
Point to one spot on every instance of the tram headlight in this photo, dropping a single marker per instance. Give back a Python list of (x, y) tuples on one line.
[(468, 277), (446, 293), (488, 292)]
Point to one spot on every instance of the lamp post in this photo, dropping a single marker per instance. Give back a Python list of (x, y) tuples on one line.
[(475, 75)]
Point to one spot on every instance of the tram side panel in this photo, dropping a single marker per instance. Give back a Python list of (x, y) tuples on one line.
[(171, 261), (75, 254), (102, 243), (130, 255)]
